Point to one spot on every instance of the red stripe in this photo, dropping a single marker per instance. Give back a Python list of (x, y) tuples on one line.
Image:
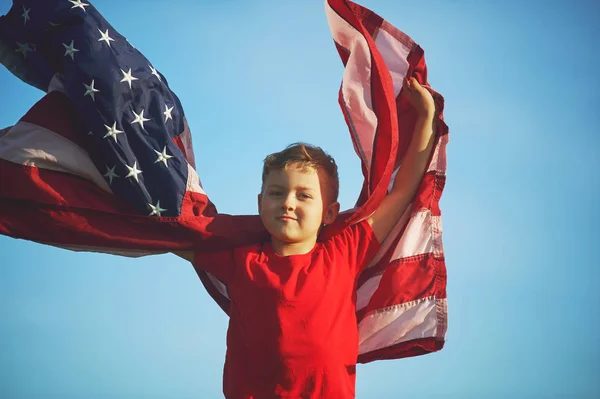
[(344, 53), (415, 347), (50, 187), (373, 22), (383, 99), (56, 113), (429, 193), (369, 19), (179, 143), (406, 281), (54, 207)]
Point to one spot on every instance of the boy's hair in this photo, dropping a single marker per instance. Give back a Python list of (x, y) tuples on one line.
[(304, 156)]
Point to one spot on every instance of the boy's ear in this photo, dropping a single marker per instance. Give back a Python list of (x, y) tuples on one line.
[(259, 203), (331, 213)]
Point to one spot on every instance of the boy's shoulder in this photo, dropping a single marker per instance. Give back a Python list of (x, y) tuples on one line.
[(341, 235), (351, 235)]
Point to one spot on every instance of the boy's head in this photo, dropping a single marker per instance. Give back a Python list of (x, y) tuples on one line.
[(305, 157), (299, 193)]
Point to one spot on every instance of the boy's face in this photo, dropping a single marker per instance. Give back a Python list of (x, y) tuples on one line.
[(293, 205)]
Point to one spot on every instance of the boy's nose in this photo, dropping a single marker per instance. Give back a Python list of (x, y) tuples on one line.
[(289, 203)]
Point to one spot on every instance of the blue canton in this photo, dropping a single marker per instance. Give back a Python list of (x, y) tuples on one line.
[(130, 114)]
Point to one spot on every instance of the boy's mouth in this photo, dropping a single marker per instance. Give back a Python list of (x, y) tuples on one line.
[(286, 218)]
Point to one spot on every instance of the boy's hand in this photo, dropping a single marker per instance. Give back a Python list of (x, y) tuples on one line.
[(419, 97)]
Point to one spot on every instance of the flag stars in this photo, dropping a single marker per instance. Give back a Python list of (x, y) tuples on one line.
[(133, 171), (25, 15), (156, 209), (105, 37), (155, 73), (90, 90), (70, 50), (167, 113), (110, 174), (139, 118), (163, 156), (23, 49), (127, 77), (112, 131), (79, 4)]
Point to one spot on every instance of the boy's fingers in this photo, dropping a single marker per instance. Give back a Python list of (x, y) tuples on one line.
[(414, 84)]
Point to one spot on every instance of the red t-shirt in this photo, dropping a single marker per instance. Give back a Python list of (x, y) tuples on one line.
[(292, 329)]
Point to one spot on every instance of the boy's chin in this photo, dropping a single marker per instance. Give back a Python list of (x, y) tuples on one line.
[(289, 236), (284, 238)]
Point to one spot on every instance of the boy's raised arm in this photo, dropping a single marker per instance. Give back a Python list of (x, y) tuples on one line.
[(413, 167)]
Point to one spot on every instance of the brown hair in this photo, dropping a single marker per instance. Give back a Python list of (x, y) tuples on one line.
[(304, 156)]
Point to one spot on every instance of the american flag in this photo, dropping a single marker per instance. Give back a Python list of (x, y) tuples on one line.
[(104, 161)]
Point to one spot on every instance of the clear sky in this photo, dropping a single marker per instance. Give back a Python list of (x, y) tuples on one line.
[(520, 208)]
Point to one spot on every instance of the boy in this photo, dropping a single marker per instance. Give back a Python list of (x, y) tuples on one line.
[(292, 329)]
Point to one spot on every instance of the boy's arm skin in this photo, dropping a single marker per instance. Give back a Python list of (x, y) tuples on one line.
[(413, 167)]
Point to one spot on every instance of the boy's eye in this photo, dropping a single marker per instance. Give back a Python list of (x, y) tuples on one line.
[(304, 196), (275, 193)]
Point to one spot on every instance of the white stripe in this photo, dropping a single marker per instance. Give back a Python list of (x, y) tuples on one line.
[(219, 285), (186, 140), (366, 291), (401, 323), (395, 55), (193, 181), (130, 253), (422, 236), (32, 145), (356, 83), (438, 160), (56, 84)]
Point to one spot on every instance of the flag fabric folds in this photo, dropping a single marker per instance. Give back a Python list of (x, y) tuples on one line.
[(104, 161)]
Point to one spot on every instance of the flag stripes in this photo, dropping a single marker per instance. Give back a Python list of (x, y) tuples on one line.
[(401, 296), (53, 190)]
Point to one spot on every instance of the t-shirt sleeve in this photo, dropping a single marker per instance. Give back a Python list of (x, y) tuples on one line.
[(358, 245), (220, 264)]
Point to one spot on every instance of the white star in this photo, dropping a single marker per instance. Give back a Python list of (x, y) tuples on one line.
[(23, 48), (110, 173), (25, 15), (105, 37), (133, 171), (163, 156), (79, 4), (154, 72), (112, 131), (90, 133), (91, 90), (156, 209), (167, 113), (139, 119), (127, 77), (70, 50)]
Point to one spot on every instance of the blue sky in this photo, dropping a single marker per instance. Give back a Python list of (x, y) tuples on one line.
[(520, 208)]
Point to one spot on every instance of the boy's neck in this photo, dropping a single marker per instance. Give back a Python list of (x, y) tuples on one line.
[(296, 248)]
